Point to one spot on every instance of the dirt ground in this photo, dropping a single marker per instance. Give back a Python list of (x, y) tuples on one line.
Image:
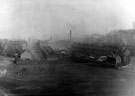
[(66, 79)]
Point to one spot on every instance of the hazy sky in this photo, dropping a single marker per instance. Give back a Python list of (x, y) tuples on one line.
[(43, 18)]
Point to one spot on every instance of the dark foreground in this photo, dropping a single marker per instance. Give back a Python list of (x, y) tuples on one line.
[(68, 79)]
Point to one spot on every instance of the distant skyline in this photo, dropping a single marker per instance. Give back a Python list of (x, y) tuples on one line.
[(44, 18)]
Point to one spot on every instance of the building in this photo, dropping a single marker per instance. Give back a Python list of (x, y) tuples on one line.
[(49, 53), (26, 55)]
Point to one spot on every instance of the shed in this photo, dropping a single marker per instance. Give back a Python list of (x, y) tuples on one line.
[(26, 55)]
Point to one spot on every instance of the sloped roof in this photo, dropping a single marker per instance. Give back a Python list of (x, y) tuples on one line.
[(48, 50), (26, 55)]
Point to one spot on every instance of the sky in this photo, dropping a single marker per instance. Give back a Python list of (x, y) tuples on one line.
[(44, 18)]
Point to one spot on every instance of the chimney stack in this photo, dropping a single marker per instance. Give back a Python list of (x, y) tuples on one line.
[(70, 35)]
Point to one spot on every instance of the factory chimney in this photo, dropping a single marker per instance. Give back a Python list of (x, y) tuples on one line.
[(70, 35)]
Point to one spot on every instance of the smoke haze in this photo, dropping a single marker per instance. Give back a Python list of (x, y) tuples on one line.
[(44, 18)]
